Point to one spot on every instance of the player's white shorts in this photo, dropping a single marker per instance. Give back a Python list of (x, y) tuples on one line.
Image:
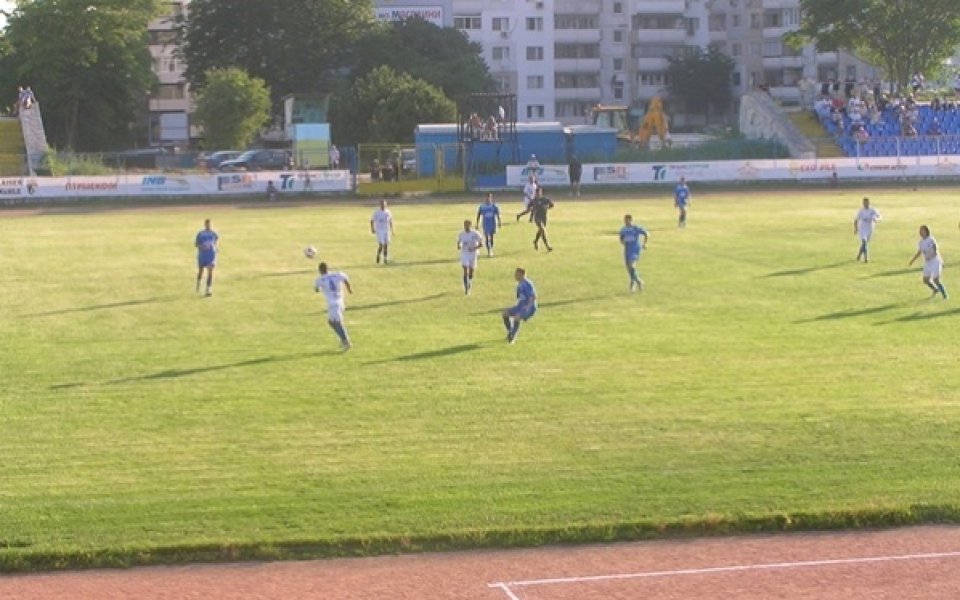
[(865, 233), (526, 202), (335, 311), (468, 259), (933, 267), (383, 237)]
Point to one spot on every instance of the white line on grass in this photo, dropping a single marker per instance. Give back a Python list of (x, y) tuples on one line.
[(505, 586)]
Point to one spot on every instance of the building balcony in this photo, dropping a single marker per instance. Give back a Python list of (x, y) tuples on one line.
[(651, 64), (585, 94), (782, 62), (577, 36), (169, 105), (776, 4), (770, 33), (826, 57), (577, 7), (577, 65), (660, 7), (786, 93), (658, 36), (169, 77)]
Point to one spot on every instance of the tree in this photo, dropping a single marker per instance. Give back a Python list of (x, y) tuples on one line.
[(292, 45), (231, 107), (903, 36), (701, 79), (386, 106), (87, 63), (443, 57)]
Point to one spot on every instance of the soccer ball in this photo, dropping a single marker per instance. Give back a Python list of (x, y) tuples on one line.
[(309, 251)]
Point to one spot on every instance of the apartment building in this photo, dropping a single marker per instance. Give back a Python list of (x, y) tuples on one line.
[(169, 105), (561, 57)]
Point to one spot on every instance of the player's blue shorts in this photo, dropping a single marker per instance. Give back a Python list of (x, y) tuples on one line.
[(631, 257), (207, 258), (490, 228), (521, 311)]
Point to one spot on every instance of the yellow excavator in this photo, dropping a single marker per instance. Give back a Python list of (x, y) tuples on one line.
[(618, 117)]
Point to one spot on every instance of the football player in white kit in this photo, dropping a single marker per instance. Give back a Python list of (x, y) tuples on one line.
[(332, 285), (468, 243), (381, 224), (933, 262), (863, 224), (529, 192)]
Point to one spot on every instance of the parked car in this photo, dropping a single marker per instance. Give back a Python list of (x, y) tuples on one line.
[(259, 160), (408, 158), (212, 161)]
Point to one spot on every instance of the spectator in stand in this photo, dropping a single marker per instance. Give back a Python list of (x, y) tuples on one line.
[(876, 117), (848, 84), (825, 88), (490, 128), (334, 157), (936, 105), (908, 129), (956, 86), (861, 134), (822, 108), (916, 82), (934, 128)]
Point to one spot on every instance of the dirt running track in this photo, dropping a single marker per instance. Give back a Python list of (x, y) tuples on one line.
[(909, 563)]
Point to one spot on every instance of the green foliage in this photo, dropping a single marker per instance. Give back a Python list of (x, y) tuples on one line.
[(701, 80), (442, 57), (295, 46), (903, 36), (232, 106), (722, 149), (762, 381), (58, 165), (87, 63), (386, 106)]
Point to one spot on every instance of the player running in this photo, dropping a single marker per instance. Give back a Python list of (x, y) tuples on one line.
[(933, 262), (332, 284), (539, 207), (529, 193), (468, 242), (681, 199), (525, 307), (206, 243), (630, 235), (489, 212), (381, 224), (863, 224)]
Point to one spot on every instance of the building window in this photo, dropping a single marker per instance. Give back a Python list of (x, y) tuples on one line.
[(756, 49), (791, 16), (754, 20), (642, 21), (467, 22), (576, 80), (773, 19), (534, 82), (736, 79), (162, 38), (617, 8), (500, 24), (693, 25), (736, 49), (717, 22), (772, 48), (535, 111), (534, 52), (852, 72), (501, 52), (170, 91), (618, 92), (575, 22), (618, 36), (502, 83), (576, 51), (618, 64), (652, 78), (735, 20), (534, 23)]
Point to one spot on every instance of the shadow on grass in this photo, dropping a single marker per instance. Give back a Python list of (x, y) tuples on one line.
[(441, 352), (396, 302), (861, 312), (286, 273), (553, 304), (805, 270), (895, 272), (918, 316), (96, 307), (177, 373)]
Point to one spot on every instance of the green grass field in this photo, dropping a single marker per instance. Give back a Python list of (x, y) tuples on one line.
[(764, 380)]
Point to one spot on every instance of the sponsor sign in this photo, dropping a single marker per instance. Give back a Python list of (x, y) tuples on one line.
[(430, 14)]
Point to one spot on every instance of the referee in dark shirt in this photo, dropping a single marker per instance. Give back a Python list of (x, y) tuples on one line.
[(540, 205)]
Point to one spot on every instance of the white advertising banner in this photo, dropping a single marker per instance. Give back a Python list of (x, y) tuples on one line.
[(430, 14), (165, 184), (747, 170)]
